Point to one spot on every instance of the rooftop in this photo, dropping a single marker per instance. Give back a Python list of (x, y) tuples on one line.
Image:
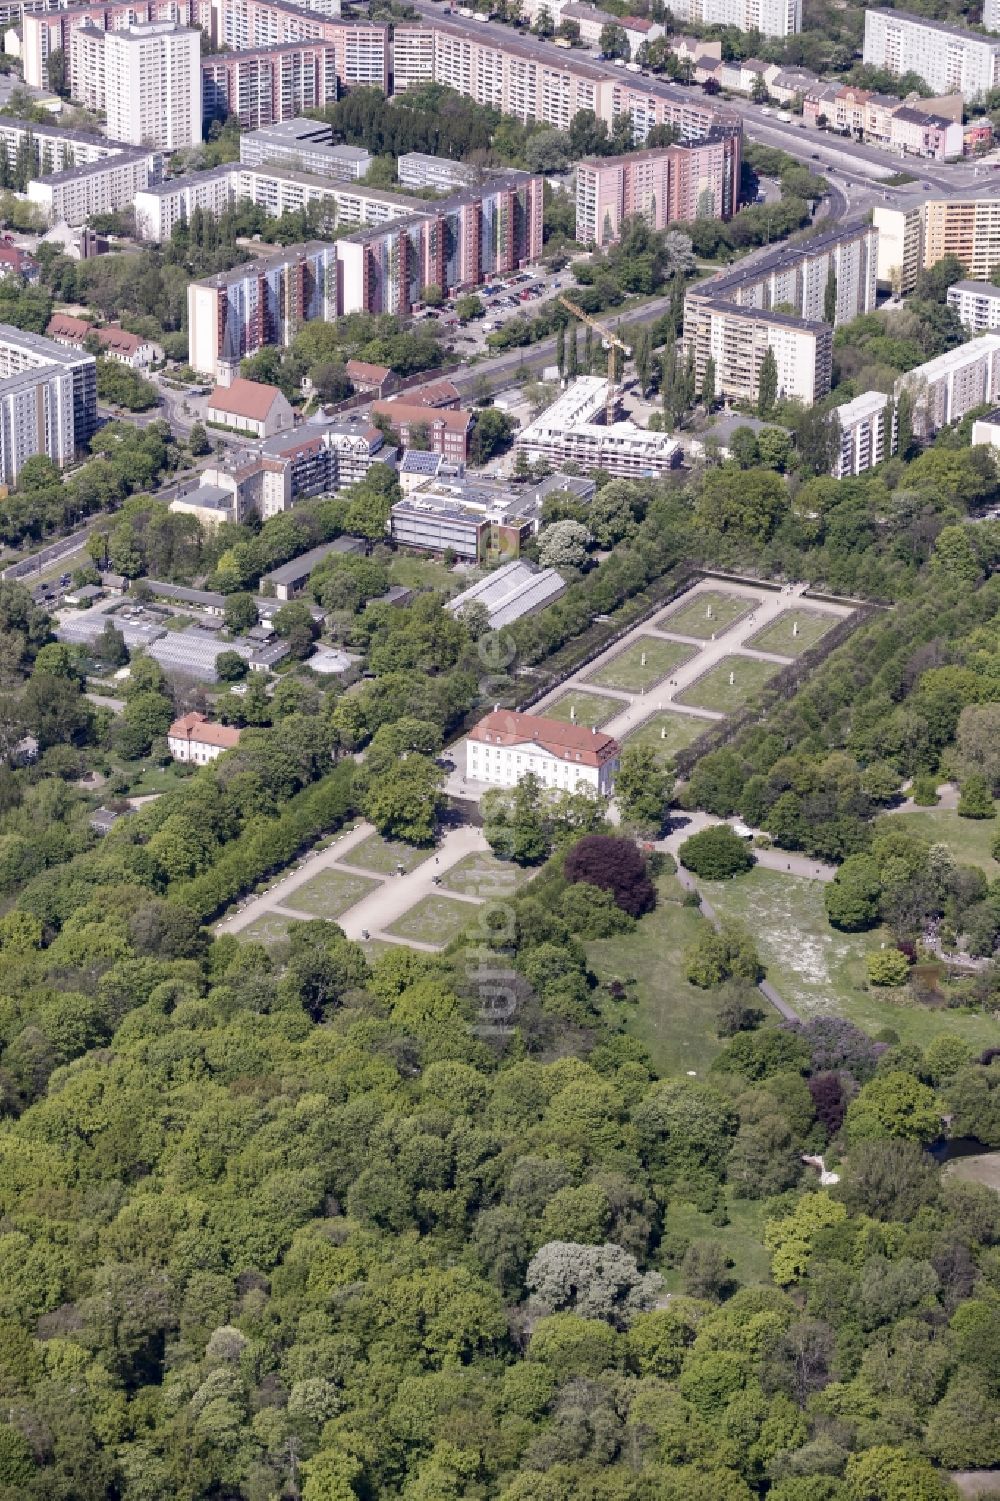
[(203, 731), (762, 315), (779, 259), (363, 370), (979, 288), (411, 414), (507, 727), (865, 405), (911, 20), (510, 592), (953, 359), (302, 566), (244, 398)]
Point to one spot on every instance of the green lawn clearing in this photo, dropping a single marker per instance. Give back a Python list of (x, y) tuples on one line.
[(643, 663), (269, 929), (434, 919), (428, 573), (969, 839), (329, 893), (714, 690), (673, 1019), (792, 632), (668, 733), (482, 874), (742, 1238), (706, 613), (584, 708), (820, 971), (384, 855)]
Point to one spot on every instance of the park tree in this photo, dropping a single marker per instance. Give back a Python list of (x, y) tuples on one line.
[(852, 897), (615, 865), (198, 441), (708, 383), (403, 801), (748, 503), (563, 544), (722, 954), (491, 435), (767, 384), (716, 853), (240, 612), (976, 799), (595, 1282), (642, 788), (894, 1104), (887, 967)]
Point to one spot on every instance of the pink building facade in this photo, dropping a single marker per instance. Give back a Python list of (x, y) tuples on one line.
[(687, 180)]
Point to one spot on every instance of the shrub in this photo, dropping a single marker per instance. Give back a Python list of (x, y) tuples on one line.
[(976, 800), (925, 793), (615, 865), (887, 967), (716, 854)]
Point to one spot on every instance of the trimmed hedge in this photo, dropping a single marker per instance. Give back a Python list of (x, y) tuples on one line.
[(266, 845)]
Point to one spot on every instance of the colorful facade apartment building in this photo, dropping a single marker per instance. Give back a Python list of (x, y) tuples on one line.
[(454, 244), (687, 180), (266, 85), (237, 312)]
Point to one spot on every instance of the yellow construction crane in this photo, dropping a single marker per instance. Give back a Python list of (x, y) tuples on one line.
[(609, 341)]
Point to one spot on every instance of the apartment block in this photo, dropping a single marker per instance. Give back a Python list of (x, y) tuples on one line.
[(689, 180), (799, 276), (737, 338), (304, 145), (772, 18), (453, 244), (159, 207), (977, 304), (102, 187), (443, 431), (991, 15), (52, 29), (950, 59), (48, 400), (864, 441), (917, 231), (145, 77), (569, 430), (417, 170), (263, 86), (943, 389), (360, 51), (237, 312), (535, 80), (275, 190)]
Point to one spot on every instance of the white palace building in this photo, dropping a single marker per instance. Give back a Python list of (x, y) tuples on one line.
[(506, 746)]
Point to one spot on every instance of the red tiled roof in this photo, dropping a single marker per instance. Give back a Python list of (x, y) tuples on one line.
[(435, 393), (409, 414), (202, 731), (119, 340), (244, 398), (507, 727), (635, 23), (65, 326), (362, 370)]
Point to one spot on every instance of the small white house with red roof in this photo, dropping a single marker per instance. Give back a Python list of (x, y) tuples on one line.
[(198, 740), (248, 406), (506, 746)]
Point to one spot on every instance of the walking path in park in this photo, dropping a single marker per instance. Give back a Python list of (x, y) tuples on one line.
[(391, 899)]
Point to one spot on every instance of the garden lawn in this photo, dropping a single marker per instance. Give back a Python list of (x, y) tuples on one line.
[(742, 1238), (668, 733), (270, 929), (691, 617), (780, 635), (969, 839), (482, 874), (428, 573), (383, 855), (674, 1020), (330, 893), (820, 971), (590, 708), (983, 1167), (628, 672), (714, 690), (434, 919)]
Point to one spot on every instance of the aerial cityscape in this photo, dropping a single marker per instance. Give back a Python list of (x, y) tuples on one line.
[(499, 750)]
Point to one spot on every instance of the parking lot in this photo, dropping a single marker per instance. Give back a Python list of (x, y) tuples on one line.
[(517, 295)]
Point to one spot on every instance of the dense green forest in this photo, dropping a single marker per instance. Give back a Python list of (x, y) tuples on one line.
[(313, 1222)]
